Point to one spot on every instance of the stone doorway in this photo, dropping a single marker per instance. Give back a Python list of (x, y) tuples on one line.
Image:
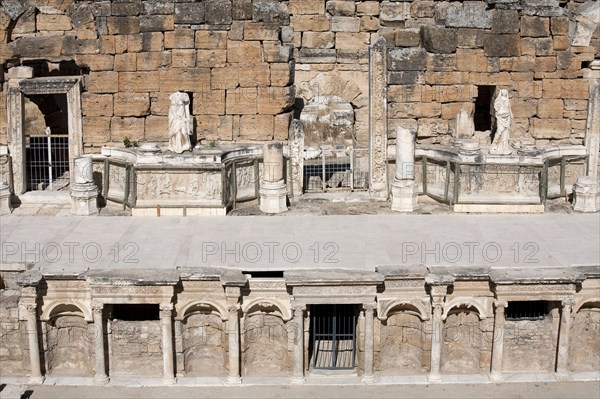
[(333, 337), (65, 95)]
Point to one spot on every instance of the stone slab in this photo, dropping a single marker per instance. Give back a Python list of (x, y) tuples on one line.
[(498, 208), (299, 243)]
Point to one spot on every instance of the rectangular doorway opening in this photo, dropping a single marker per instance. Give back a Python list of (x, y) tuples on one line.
[(483, 108), (46, 131), (333, 337)]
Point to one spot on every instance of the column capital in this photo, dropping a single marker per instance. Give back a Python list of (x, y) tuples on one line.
[(97, 307), (166, 310), (369, 307), (31, 309), (567, 302), (233, 308), (500, 305), (298, 308)]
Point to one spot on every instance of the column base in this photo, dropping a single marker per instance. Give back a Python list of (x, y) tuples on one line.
[(234, 380), (563, 376), (5, 198), (83, 199), (101, 380), (36, 380), (434, 378), (496, 377), (273, 197), (298, 380), (586, 195), (404, 196), (368, 379), (169, 381)]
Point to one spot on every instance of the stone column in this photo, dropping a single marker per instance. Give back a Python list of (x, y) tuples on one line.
[(378, 183), (100, 377), (498, 341), (592, 137), (84, 191), (234, 345), (562, 360), (166, 322), (367, 377), (436, 343), (296, 147), (34, 345), (298, 375), (404, 188), (273, 192), (14, 127)]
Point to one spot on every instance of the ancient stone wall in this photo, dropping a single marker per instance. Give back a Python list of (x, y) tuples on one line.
[(265, 347), (226, 54), (204, 345), (467, 343), (585, 340), (13, 339), (443, 54), (529, 345), (135, 348), (404, 345), (69, 346)]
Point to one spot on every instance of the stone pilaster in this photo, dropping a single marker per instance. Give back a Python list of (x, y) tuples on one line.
[(100, 377), (498, 342), (16, 138), (378, 182), (438, 288), (166, 322), (34, 345), (404, 188), (233, 329), (273, 191), (592, 137), (367, 376), (296, 152), (562, 360), (298, 328)]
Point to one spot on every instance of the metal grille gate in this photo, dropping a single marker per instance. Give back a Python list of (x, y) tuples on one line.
[(333, 170), (333, 336), (48, 162)]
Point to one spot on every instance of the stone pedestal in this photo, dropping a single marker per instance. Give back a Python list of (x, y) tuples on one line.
[(84, 191), (5, 204), (273, 191), (404, 195), (586, 194)]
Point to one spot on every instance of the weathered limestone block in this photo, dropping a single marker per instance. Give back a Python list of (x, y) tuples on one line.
[(393, 12), (96, 104), (318, 39), (261, 31), (274, 100), (470, 38), (151, 61), (307, 7), (157, 23), (213, 127), (408, 38), (281, 125), (317, 56), (131, 104), (256, 75), (211, 58), (211, 40), (245, 52), (130, 127), (313, 23), (275, 52), (126, 8), (502, 45), (186, 79), (139, 82), (551, 128), (123, 25), (102, 82), (438, 40), (190, 13), (367, 8), (181, 58), (32, 47), (218, 12), (407, 59), (369, 23), (53, 22), (550, 108), (341, 8), (242, 101), (241, 10), (126, 62), (180, 38), (256, 127), (586, 194), (352, 41), (505, 21), (155, 128), (470, 14), (270, 11), (535, 26), (209, 102), (345, 24)]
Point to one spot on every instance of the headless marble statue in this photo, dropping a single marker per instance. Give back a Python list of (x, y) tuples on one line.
[(503, 116), (180, 123)]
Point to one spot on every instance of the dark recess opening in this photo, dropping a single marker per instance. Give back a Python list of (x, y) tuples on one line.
[(136, 312), (526, 310), (483, 114), (265, 274)]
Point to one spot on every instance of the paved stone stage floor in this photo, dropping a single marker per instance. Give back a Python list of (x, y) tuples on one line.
[(540, 389)]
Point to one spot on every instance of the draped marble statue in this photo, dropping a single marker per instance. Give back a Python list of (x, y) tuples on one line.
[(180, 123), (503, 117)]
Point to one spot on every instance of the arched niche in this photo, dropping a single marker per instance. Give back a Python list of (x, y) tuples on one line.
[(204, 341), (69, 340), (466, 345)]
